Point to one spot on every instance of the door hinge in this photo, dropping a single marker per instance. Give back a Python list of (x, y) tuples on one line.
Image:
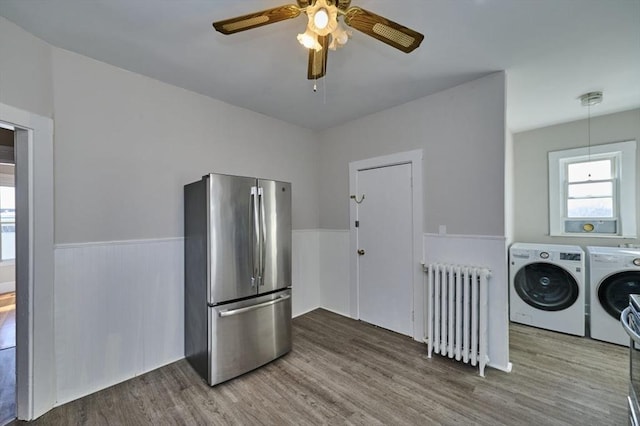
[(412, 316), (357, 223)]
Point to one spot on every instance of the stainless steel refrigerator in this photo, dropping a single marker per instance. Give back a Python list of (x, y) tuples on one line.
[(237, 274)]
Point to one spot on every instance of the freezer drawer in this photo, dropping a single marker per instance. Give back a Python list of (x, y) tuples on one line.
[(247, 334)]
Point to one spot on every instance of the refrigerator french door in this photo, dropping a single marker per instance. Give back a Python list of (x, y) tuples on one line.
[(237, 274)]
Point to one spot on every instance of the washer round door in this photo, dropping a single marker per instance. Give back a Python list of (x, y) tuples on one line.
[(546, 286), (614, 291)]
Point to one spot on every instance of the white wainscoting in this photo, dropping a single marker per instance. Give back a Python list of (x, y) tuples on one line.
[(118, 312), (119, 307), (305, 271), (320, 271), (334, 271), (489, 251)]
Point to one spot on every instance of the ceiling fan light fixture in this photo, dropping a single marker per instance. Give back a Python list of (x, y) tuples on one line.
[(309, 39), (323, 22), (321, 18), (339, 37)]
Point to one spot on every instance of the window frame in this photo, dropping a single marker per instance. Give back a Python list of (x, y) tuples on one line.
[(623, 156), (615, 179)]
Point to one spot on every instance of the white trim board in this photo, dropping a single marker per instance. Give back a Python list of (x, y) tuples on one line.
[(35, 363)]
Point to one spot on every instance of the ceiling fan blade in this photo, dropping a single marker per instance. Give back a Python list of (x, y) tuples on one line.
[(387, 31), (318, 59), (258, 19)]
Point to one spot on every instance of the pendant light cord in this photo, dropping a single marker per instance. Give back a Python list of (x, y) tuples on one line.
[(589, 136)]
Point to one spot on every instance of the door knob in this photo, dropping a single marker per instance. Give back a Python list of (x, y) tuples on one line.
[(361, 252)]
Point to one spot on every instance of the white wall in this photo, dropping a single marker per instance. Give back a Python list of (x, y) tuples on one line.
[(531, 178), (334, 270), (462, 133), (491, 252), (25, 70), (305, 271), (118, 312), (463, 137), (509, 202), (126, 145)]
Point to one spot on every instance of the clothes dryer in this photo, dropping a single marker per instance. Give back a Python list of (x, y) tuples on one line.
[(547, 287), (614, 274)]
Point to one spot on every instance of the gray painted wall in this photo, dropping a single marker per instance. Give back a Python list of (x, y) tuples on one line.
[(531, 179), (126, 144), (462, 133), (25, 70)]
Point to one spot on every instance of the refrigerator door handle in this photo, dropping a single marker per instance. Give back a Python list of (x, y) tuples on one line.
[(263, 227), (238, 311), (256, 236)]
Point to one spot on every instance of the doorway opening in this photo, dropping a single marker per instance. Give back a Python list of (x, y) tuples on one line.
[(7, 277)]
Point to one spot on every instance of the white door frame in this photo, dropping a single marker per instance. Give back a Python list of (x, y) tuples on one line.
[(35, 362), (415, 159)]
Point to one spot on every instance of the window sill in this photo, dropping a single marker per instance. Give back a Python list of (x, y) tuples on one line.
[(586, 235), (7, 262)]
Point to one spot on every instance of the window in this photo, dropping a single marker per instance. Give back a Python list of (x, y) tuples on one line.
[(592, 191), (7, 223)]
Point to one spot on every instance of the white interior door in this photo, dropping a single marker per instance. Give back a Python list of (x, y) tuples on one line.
[(385, 285)]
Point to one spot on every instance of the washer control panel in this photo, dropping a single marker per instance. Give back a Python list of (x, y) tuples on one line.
[(570, 256)]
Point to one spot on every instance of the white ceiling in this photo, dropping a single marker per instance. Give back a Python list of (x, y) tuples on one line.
[(553, 51)]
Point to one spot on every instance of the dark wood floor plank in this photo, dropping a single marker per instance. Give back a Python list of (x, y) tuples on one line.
[(342, 371), (7, 385)]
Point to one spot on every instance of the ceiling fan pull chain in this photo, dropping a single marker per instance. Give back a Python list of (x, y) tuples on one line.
[(324, 91)]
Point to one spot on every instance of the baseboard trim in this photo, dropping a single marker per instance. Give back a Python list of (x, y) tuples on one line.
[(305, 312), (506, 369), (337, 312)]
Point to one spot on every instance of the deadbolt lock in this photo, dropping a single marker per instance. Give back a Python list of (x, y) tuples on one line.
[(361, 252)]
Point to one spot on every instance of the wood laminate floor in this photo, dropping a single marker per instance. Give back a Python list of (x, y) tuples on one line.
[(342, 371), (7, 357), (7, 320), (7, 385)]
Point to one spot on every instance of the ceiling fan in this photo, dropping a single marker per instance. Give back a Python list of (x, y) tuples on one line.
[(323, 24)]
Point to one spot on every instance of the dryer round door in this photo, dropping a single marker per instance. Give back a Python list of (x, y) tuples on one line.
[(614, 291), (546, 286)]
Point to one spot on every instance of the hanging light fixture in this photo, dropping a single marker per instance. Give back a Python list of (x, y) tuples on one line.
[(322, 21), (309, 39), (590, 99), (321, 18), (339, 37)]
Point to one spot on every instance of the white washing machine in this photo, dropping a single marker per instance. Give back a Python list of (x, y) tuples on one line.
[(547, 287), (614, 274)]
